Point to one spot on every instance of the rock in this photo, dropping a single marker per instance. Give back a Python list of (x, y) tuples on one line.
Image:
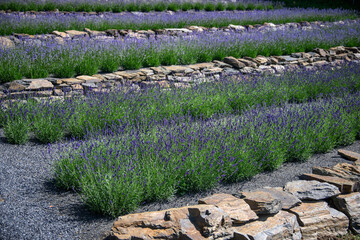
[(261, 60), (350, 205), (247, 70), (76, 34), (345, 186), (278, 68), (6, 43), (193, 222), (237, 209), (16, 87), (237, 28), (321, 52), (287, 199), (262, 202), (248, 63), (349, 155), (357, 163), (266, 69), (342, 170), (201, 66), (221, 64), (89, 79), (70, 81), (76, 87), (286, 58), (60, 34), (318, 220), (176, 31), (234, 62), (37, 84), (282, 225), (319, 63), (338, 50), (176, 69), (311, 190), (163, 84), (196, 28)]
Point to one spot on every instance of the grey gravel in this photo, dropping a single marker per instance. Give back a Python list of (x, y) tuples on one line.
[(33, 208)]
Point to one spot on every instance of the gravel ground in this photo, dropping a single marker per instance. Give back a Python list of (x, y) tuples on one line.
[(33, 208)]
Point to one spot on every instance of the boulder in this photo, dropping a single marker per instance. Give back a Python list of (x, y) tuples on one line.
[(262, 202), (311, 190), (287, 199), (282, 225), (6, 43), (345, 186), (349, 155), (192, 222), (318, 220), (237, 209), (234, 62), (37, 84), (248, 63), (346, 171), (350, 205)]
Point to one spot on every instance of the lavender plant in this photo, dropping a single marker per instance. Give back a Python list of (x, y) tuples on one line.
[(48, 22), (80, 117), (118, 5), (115, 174), (86, 56)]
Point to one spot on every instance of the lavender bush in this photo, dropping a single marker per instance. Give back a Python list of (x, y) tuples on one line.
[(116, 174), (123, 5), (46, 23), (78, 117), (87, 56)]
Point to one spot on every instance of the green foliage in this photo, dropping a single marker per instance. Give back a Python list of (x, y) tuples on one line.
[(17, 130)]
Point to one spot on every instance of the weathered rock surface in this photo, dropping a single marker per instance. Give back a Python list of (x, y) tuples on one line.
[(193, 222), (345, 186), (342, 170), (237, 209), (311, 190), (349, 155), (36, 84), (350, 205), (15, 86), (89, 79), (318, 220), (287, 199), (262, 202), (282, 225), (234, 62), (6, 43), (76, 34)]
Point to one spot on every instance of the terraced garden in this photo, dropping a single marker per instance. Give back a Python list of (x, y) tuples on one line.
[(120, 107)]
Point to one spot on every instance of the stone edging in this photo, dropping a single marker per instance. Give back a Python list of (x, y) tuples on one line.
[(324, 207), (178, 76)]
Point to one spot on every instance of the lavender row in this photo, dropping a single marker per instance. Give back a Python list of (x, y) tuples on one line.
[(77, 118), (47, 22), (86, 56), (116, 174), (124, 5)]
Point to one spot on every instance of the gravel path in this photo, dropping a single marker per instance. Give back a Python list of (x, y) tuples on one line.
[(34, 209)]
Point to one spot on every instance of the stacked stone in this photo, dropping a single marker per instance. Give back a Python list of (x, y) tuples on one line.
[(305, 209), (178, 76), (111, 34)]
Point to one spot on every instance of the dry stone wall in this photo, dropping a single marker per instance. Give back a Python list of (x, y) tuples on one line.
[(301, 210), (179, 76)]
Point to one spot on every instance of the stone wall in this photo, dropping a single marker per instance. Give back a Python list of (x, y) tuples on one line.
[(179, 76), (323, 208)]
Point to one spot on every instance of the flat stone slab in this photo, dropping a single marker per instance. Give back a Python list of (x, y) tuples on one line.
[(318, 220), (237, 209), (311, 190), (345, 186), (287, 199), (70, 81), (234, 62), (349, 155), (89, 79), (350, 205), (37, 84), (262, 202), (282, 225)]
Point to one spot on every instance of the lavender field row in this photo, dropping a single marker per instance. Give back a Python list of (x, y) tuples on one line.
[(86, 56), (131, 6), (42, 23)]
